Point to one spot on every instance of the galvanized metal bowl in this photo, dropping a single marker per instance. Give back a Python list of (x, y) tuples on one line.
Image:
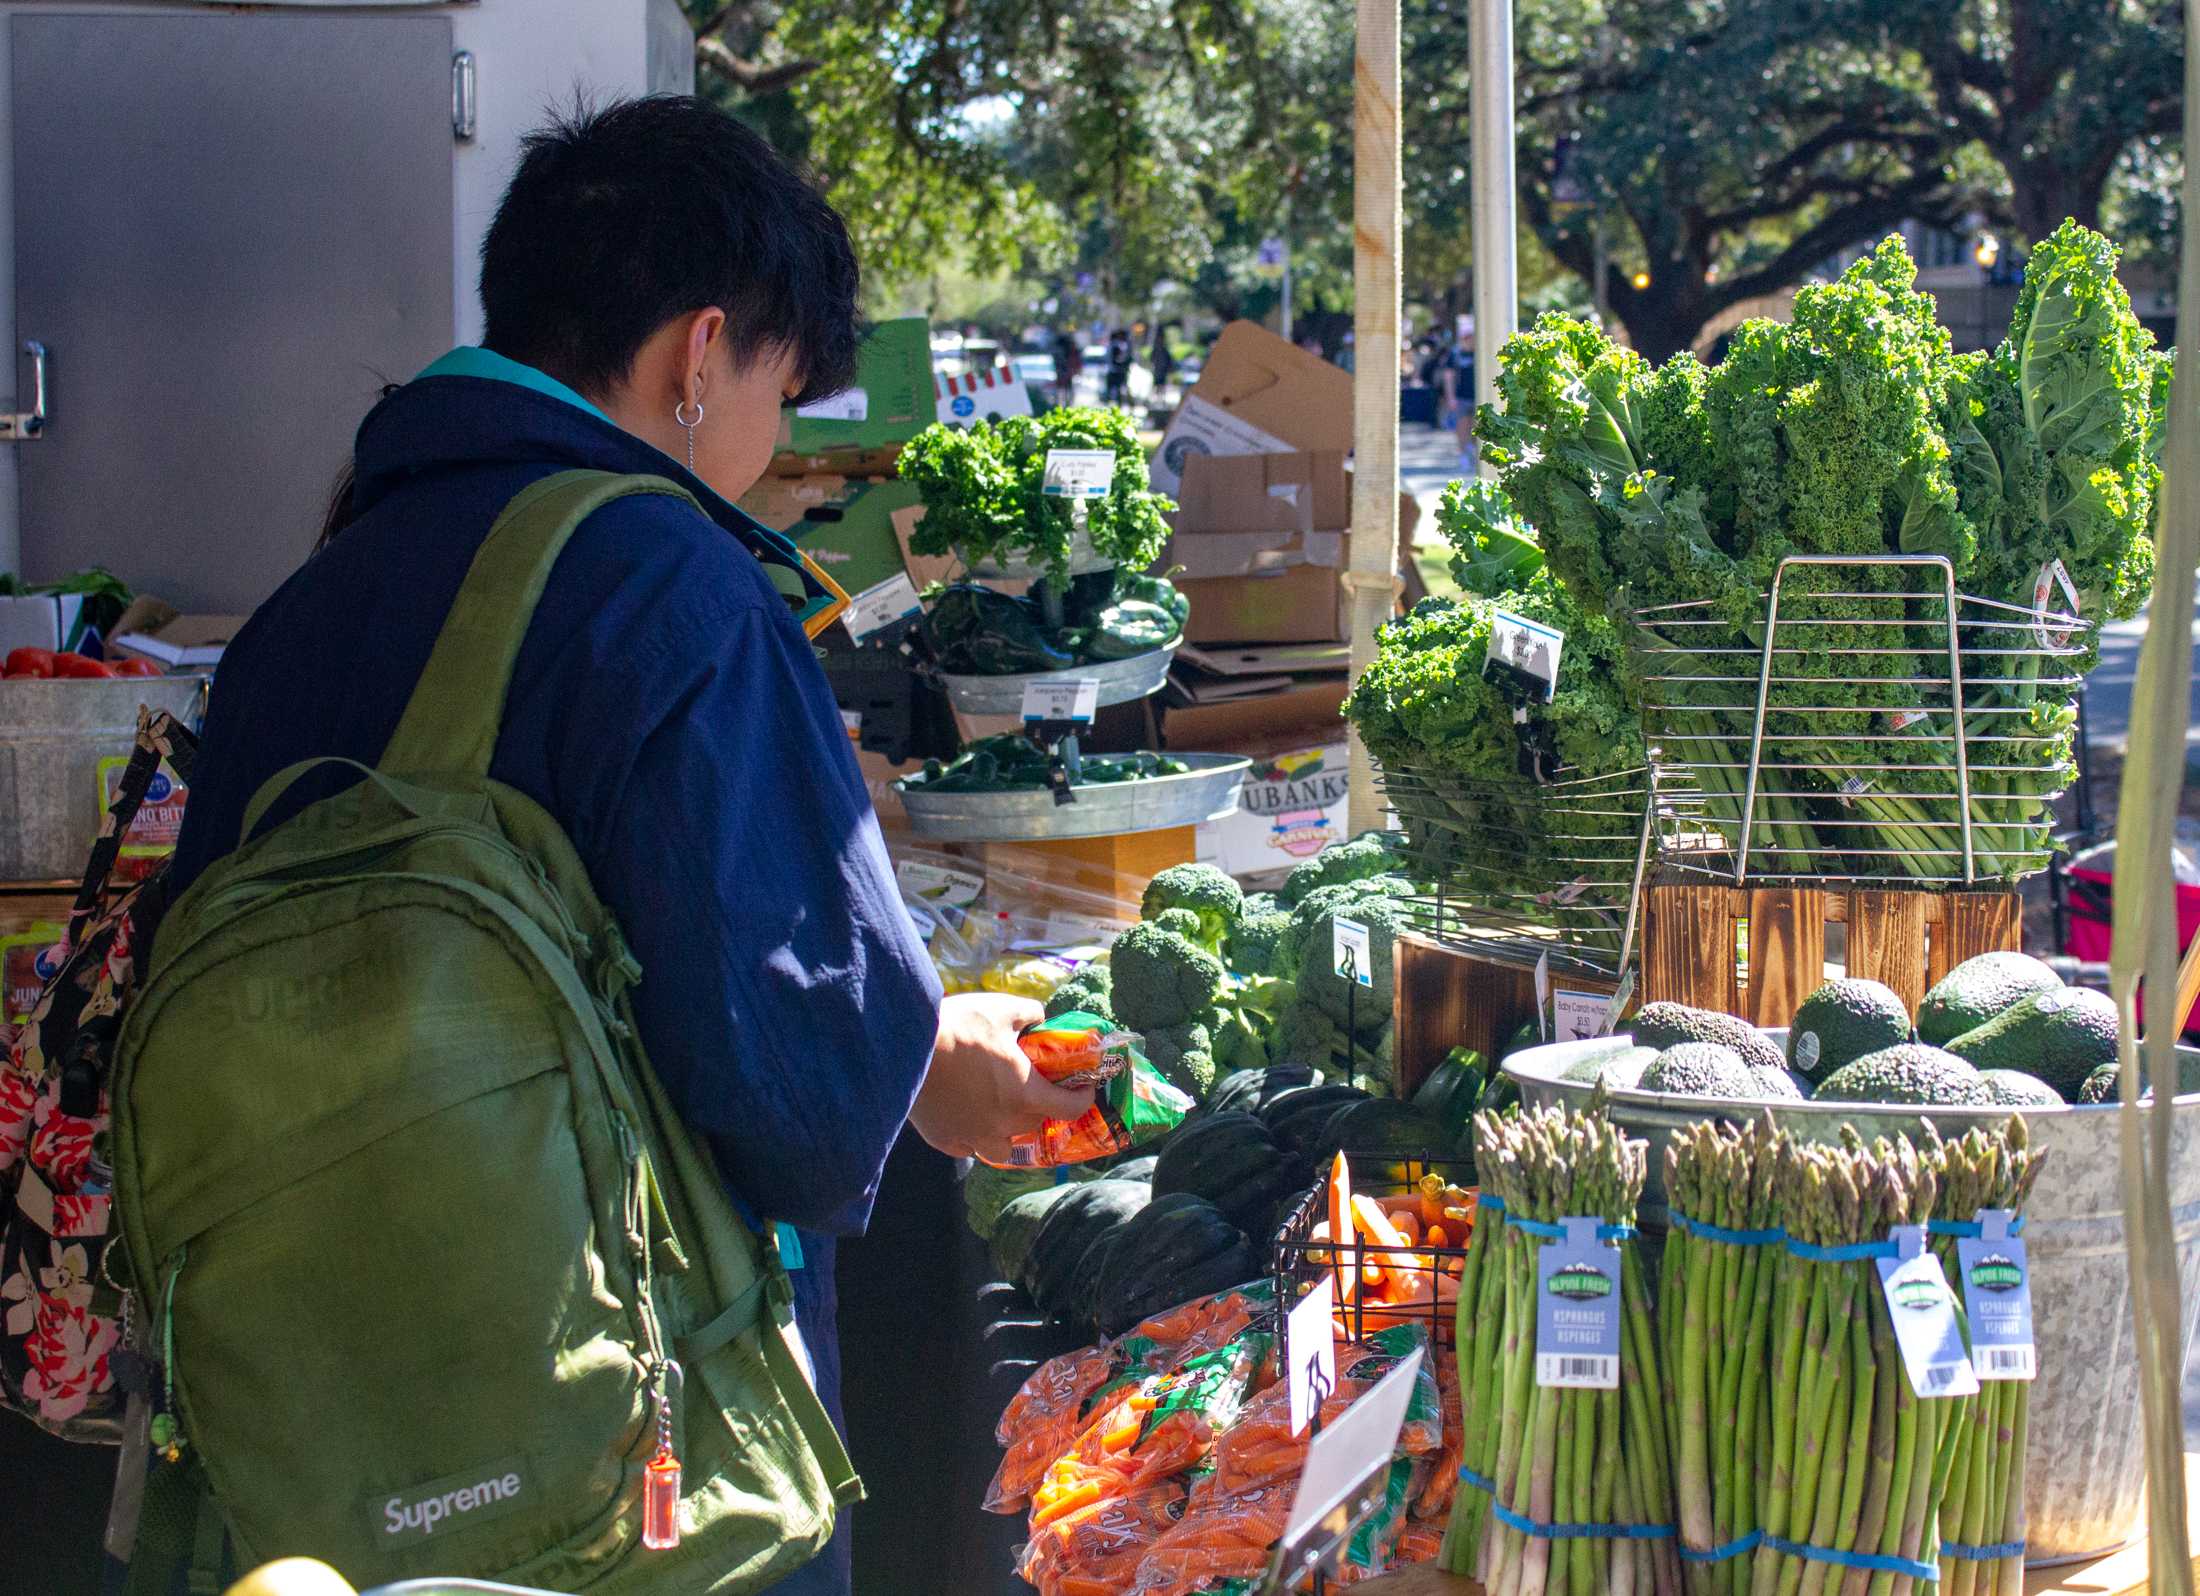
[(1207, 791), (53, 735), (1121, 681), (2085, 1471)]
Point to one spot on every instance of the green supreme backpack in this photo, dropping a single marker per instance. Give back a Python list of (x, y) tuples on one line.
[(434, 1268)]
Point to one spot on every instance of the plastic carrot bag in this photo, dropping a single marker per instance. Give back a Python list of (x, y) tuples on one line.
[(1212, 1319), (1164, 1425), (1224, 1535), (1433, 1501), (1261, 1447), (1095, 1548), (1131, 1102)]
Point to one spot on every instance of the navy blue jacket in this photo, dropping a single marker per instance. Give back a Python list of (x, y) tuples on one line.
[(667, 710)]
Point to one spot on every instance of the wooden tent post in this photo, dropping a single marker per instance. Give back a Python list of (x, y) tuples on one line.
[(1496, 284), (1372, 582)]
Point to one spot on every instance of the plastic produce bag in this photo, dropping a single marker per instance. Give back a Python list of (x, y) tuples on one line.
[(1131, 1103), (975, 631)]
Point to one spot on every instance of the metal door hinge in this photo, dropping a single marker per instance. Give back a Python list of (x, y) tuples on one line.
[(463, 117), (25, 426)]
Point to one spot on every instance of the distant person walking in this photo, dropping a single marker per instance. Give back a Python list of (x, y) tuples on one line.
[(1067, 364), (1118, 390), (1161, 360)]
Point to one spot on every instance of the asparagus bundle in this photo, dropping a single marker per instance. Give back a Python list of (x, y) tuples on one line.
[(1981, 1462), (1715, 1327), (1853, 1446), (1561, 1456), (1481, 1321)]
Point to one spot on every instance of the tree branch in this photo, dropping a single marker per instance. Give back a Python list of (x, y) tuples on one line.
[(749, 76)]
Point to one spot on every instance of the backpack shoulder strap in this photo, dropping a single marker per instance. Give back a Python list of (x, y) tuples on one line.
[(451, 722)]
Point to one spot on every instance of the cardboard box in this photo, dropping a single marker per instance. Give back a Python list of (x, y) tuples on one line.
[(1257, 394), (1291, 807), (980, 396), (860, 431), (151, 629), (49, 620), (845, 524), (1262, 540), (1306, 711)]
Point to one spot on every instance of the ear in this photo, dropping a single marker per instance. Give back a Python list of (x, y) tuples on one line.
[(704, 328)]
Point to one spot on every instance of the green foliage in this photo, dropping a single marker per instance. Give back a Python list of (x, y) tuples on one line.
[(1212, 897), (983, 500)]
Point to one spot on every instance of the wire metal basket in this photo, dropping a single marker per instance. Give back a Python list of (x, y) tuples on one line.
[(1302, 1258), (1526, 866), (1862, 721)]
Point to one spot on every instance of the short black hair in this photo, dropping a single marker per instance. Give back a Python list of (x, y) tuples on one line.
[(624, 216)]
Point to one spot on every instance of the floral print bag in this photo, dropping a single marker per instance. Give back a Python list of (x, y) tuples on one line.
[(60, 1312)]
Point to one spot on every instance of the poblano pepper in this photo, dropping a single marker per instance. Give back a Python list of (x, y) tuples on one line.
[(975, 631), (1133, 626)]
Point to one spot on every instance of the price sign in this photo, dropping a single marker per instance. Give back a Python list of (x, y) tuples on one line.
[(937, 884), (1311, 1348), (1078, 473), (1543, 994), (1924, 1316), (1349, 952), (1617, 1004), (1064, 698), (1997, 1298), (1526, 651), (876, 608), (1577, 1016), (1362, 1442)]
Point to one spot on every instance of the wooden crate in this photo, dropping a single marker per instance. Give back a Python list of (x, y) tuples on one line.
[(1759, 951), (1449, 998)]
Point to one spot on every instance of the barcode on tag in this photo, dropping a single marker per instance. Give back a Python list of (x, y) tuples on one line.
[(2005, 1363), (1571, 1369), (1950, 1377)]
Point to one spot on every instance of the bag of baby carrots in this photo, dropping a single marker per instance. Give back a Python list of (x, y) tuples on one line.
[(1232, 1535), (1131, 1102), (1094, 1549), (1260, 1446)]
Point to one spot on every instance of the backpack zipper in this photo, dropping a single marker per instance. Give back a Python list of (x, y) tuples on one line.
[(166, 1432)]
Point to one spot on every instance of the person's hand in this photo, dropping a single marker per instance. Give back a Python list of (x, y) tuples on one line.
[(981, 1089)]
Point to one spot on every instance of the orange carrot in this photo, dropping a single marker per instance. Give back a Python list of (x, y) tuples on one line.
[(1436, 1236), (1068, 1502), (1341, 1229)]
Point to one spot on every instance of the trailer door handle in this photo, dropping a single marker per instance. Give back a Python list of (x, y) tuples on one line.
[(26, 426)]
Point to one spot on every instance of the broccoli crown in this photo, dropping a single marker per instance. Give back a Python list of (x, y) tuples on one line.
[(1087, 992), (1312, 915), (1184, 1054), (1368, 854), (1204, 891), (1254, 941), (1182, 921), (1162, 978), (1384, 915), (1260, 903), (1305, 1035)]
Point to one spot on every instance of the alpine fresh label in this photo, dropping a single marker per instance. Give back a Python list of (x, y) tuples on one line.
[(1577, 1310), (1349, 952), (1078, 473), (1311, 1348), (1525, 650), (1997, 1299), (1061, 698), (1924, 1316), (1577, 1016)]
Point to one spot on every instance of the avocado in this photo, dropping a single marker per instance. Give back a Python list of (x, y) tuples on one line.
[(1622, 1066), (1841, 1022), (2106, 1084), (1664, 1025), (1782, 1084), (1909, 1073), (2062, 1036), (1700, 1069), (2019, 1090), (1978, 989)]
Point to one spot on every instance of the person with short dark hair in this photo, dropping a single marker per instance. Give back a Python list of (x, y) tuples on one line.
[(1118, 389), (658, 284)]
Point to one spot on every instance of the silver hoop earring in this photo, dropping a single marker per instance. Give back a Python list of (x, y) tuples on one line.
[(680, 415)]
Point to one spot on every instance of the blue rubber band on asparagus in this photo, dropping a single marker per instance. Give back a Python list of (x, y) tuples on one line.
[(1737, 1238), (1868, 1560), (1982, 1554), (1719, 1554), (1580, 1532)]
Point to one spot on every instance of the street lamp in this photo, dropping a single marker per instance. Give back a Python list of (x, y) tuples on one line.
[(1641, 280), (1986, 250)]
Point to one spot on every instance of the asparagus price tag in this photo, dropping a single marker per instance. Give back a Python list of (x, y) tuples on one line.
[(1543, 994), (1349, 952), (1577, 1310), (1349, 1453), (1525, 651), (1924, 1315), (1577, 1016), (1070, 698), (1997, 1298), (1078, 473), (1311, 1350)]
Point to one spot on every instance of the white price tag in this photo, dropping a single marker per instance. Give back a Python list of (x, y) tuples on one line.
[(851, 721), (850, 404), (1525, 650), (878, 607), (1997, 1298), (1616, 1005), (1543, 994), (1311, 1350), (1362, 1441), (1924, 1316), (1078, 473), (2052, 583), (1070, 698), (1349, 952), (1577, 1016)]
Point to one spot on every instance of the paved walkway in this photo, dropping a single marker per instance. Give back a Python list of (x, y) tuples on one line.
[(1428, 457)]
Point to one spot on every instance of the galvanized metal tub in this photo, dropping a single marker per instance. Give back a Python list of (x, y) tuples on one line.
[(2085, 1472), (53, 734), (1207, 791), (1120, 680)]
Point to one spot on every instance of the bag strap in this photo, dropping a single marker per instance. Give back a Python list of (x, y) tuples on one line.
[(159, 737), (451, 722)]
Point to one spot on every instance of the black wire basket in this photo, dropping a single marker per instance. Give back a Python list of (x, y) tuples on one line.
[(1301, 1258)]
